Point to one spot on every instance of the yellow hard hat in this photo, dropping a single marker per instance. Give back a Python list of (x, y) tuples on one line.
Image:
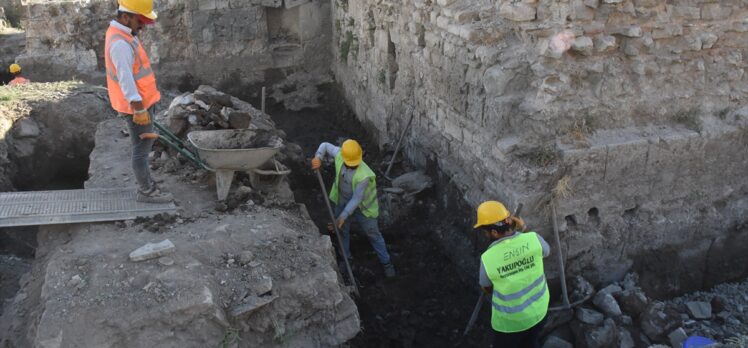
[(141, 7), (14, 68), (491, 212), (351, 152)]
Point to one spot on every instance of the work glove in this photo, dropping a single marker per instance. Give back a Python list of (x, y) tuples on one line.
[(339, 222), (316, 163), (141, 118), (519, 224)]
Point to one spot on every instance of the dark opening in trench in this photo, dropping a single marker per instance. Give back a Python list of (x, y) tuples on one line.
[(65, 168), (430, 301)]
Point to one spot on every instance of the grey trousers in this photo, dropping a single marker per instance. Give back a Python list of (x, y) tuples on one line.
[(140, 150)]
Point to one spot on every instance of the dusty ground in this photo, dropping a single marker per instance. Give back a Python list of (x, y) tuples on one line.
[(84, 291)]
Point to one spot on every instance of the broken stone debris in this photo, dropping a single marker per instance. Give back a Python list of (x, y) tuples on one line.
[(250, 305), (699, 309), (152, 250), (677, 337), (642, 322), (556, 342), (589, 316), (398, 201), (205, 109), (606, 303)]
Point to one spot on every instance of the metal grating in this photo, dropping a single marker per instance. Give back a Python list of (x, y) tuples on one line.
[(74, 206)]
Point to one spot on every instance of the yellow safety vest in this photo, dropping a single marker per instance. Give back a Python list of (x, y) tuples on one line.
[(369, 205), (520, 293)]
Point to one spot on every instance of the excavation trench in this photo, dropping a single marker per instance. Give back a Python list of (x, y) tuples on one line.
[(433, 247), (430, 300), (48, 146)]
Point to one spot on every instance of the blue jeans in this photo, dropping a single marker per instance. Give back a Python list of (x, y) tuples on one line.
[(140, 150), (371, 229)]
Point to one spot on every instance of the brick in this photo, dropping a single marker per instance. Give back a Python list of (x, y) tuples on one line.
[(687, 12), (518, 12), (714, 12), (629, 31), (667, 31)]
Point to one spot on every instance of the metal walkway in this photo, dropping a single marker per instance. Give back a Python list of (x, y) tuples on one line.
[(74, 206)]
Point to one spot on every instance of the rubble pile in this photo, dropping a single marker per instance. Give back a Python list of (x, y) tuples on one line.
[(622, 315), (208, 109)]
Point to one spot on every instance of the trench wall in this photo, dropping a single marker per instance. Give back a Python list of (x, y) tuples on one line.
[(235, 45), (638, 116)]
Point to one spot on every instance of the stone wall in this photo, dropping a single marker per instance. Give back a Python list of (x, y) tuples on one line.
[(631, 107), (238, 46)]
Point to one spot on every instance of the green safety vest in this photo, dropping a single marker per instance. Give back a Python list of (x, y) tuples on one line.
[(520, 293), (369, 205)]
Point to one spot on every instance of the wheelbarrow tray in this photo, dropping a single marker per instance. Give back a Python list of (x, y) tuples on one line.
[(230, 150), (217, 148)]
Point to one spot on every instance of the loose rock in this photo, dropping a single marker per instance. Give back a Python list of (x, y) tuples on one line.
[(589, 316), (152, 250), (607, 304), (677, 337), (699, 309)]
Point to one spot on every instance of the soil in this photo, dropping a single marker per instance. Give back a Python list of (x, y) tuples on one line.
[(239, 140), (429, 302)]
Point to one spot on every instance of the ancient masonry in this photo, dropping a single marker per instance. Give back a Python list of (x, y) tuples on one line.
[(641, 123), (633, 109), (234, 45)]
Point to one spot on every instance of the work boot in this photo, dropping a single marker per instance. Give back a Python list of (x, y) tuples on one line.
[(154, 195), (389, 270)]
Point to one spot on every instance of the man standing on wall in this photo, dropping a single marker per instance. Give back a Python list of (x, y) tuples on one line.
[(132, 88), (355, 195), (512, 274)]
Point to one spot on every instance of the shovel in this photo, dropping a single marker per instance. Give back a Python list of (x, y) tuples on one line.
[(337, 233)]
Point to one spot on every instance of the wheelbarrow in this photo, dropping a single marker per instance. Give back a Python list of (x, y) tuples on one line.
[(231, 150), (223, 152)]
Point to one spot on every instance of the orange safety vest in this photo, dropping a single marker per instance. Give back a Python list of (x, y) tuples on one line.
[(145, 80), (18, 81)]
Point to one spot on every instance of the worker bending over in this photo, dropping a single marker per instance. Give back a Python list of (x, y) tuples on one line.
[(355, 195), (511, 271), (15, 70), (132, 88)]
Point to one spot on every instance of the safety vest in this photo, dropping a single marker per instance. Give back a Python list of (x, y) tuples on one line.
[(142, 73), (369, 205), (520, 293), (18, 81)]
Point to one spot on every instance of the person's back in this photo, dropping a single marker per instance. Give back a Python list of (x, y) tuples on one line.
[(15, 74), (19, 80)]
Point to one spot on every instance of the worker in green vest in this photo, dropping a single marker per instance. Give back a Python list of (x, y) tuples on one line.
[(355, 196), (512, 274)]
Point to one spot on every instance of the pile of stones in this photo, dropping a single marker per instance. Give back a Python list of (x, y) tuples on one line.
[(205, 109), (622, 315)]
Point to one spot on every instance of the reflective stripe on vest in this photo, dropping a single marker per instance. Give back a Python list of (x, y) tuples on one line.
[(145, 79), (520, 297), (369, 204)]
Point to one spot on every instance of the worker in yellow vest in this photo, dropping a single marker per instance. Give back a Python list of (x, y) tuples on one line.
[(132, 88), (512, 274), (355, 195), (15, 70)]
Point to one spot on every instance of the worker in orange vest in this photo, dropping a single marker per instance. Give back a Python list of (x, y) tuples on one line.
[(15, 70), (132, 88)]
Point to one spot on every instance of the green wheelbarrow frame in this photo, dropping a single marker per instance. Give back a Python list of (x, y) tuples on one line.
[(174, 142)]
